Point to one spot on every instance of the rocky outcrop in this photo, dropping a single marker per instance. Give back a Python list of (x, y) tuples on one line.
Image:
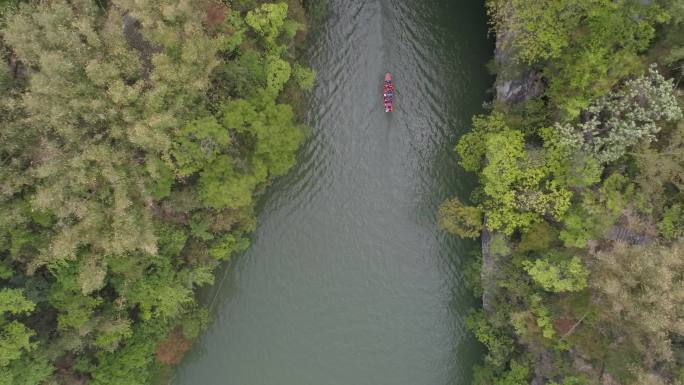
[(515, 83), (627, 235), (525, 86), (487, 271), (495, 247), (544, 368)]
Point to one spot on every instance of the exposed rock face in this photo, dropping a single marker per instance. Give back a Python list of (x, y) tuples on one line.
[(514, 84), (625, 234), (490, 273), (583, 365), (526, 86), (544, 368), (633, 229), (487, 272)]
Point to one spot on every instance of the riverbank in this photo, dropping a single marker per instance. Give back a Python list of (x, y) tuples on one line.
[(348, 279), (580, 232)]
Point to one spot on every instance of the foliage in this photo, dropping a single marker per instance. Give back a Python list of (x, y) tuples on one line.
[(516, 182), (227, 245), (127, 366), (498, 343), (517, 374), (603, 50), (15, 335), (542, 31), (461, 220), (623, 118), (273, 137), (304, 76), (598, 211), (568, 165), (672, 224), (542, 315), (133, 142), (557, 274), (268, 20), (662, 167), (472, 274), (499, 245), (537, 238), (18, 363), (598, 155), (198, 144), (471, 147), (642, 289), (518, 186)]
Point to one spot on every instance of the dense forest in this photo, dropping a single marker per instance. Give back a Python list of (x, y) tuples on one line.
[(580, 204), (134, 138)]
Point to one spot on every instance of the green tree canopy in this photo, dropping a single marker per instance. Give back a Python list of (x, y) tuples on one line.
[(623, 118), (461, 220), (135, 136), (557, 274)]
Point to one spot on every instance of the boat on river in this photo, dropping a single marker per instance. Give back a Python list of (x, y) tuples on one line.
[(388, 93)]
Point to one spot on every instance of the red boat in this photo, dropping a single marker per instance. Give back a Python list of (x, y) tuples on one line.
[(388, 93)]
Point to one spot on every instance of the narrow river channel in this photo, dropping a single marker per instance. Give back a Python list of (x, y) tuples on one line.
[(349, 280)]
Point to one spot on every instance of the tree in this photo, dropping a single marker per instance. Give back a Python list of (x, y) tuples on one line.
[(226, 246), (304, 76), (278, 72), (268, 21), (497, 341), (132, 146), (15, 336), (518, 188), (542, 31), (602, 51), (672, 224), (537, 238), (518, 373), (129, 365), (661, 167), (568, 165), (17, 364), (598, 211), (222, 185), (623, 118), (472, 146), (641, 293), (461, 220), (557, 274), (582, 163), (198, 144)]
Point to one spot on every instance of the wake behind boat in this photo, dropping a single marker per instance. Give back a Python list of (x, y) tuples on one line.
[(388, 93)]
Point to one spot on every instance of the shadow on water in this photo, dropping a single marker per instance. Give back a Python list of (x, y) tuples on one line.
[(349, 279)]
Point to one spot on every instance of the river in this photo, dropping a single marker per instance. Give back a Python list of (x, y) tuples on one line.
[(349, 280)]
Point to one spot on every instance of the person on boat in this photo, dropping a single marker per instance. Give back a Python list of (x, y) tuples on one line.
[(388, 92)]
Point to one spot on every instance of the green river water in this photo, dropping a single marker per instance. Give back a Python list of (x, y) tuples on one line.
[(349, 280)]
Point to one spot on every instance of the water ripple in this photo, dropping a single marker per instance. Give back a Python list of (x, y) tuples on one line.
[(349, 280)]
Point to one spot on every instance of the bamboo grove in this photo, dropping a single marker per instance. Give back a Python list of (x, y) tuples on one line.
[(135, 136)]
